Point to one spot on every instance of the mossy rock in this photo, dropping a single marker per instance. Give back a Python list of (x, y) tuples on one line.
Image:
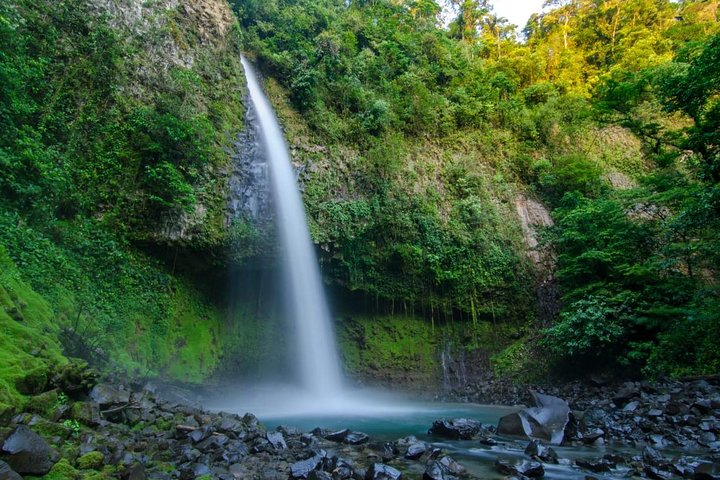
[(43, 403), (107, 473), (33, 382), (91, 461), (87, 413), (62, 470), (48, 429)]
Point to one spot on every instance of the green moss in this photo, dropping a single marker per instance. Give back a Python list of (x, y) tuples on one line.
[(390, 345), (520, 361), (43, 403), (29, 348), (61, 471), (107, 473), (91, 461)]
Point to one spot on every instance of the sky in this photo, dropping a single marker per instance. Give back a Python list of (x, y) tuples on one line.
[(517, 11)]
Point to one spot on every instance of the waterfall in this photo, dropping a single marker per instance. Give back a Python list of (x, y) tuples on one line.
[(318, 359)]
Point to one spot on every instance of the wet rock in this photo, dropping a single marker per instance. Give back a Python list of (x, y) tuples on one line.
[(87, 413), (546, 421), (657, 474), (200, 469), (652, 456), (537, 450), (592, 437), (27, 453), (232, 425), (525, 468), (200, 434), (277, 440), (386, 450), (303, 468), (338, 436), (341, 469), (380, 471), (631, 406), (597, 466), (107, 395), (356, 438), (444, 469), (415, 450), (7, 473), (456, 428)]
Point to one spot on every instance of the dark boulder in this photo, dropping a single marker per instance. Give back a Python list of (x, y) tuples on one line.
[(7, 473), (456, 428), (546, 421), (27, 453), (380, 471)]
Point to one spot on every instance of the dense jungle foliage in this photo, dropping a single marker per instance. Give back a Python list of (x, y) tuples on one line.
[(415, 137)]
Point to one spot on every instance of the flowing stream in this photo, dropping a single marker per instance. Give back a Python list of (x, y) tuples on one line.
[(318, 359)]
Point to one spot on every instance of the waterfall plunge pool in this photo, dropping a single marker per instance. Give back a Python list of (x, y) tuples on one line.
[(386, 418)]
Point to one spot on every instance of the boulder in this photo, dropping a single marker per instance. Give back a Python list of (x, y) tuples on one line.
[(356, 438), (7, 473), (456, 428), (87, 413), (546, 421), (380, 471), (277, 440), (415, 450), (302, 469), (27, 453), (444, 469)]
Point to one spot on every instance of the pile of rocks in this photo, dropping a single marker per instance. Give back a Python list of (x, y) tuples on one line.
[(665, 414), (114, 432)]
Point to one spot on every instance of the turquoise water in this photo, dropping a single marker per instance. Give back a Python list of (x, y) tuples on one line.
[(388, 419)]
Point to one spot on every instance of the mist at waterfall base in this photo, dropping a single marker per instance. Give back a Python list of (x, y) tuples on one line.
[(309, 380)]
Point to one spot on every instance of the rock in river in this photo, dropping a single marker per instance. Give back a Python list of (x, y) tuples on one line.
[(456, 428), (380, 471), (546, 421)]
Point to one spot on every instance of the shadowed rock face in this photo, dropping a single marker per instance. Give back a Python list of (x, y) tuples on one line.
[(546, 421), (27, 453)]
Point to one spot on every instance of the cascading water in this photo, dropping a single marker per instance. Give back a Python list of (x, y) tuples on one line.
[(319, 362)]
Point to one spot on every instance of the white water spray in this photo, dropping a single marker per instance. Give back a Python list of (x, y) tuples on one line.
[(318, 358)]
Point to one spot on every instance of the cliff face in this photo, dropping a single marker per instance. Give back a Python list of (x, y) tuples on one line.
[(192, 51)]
